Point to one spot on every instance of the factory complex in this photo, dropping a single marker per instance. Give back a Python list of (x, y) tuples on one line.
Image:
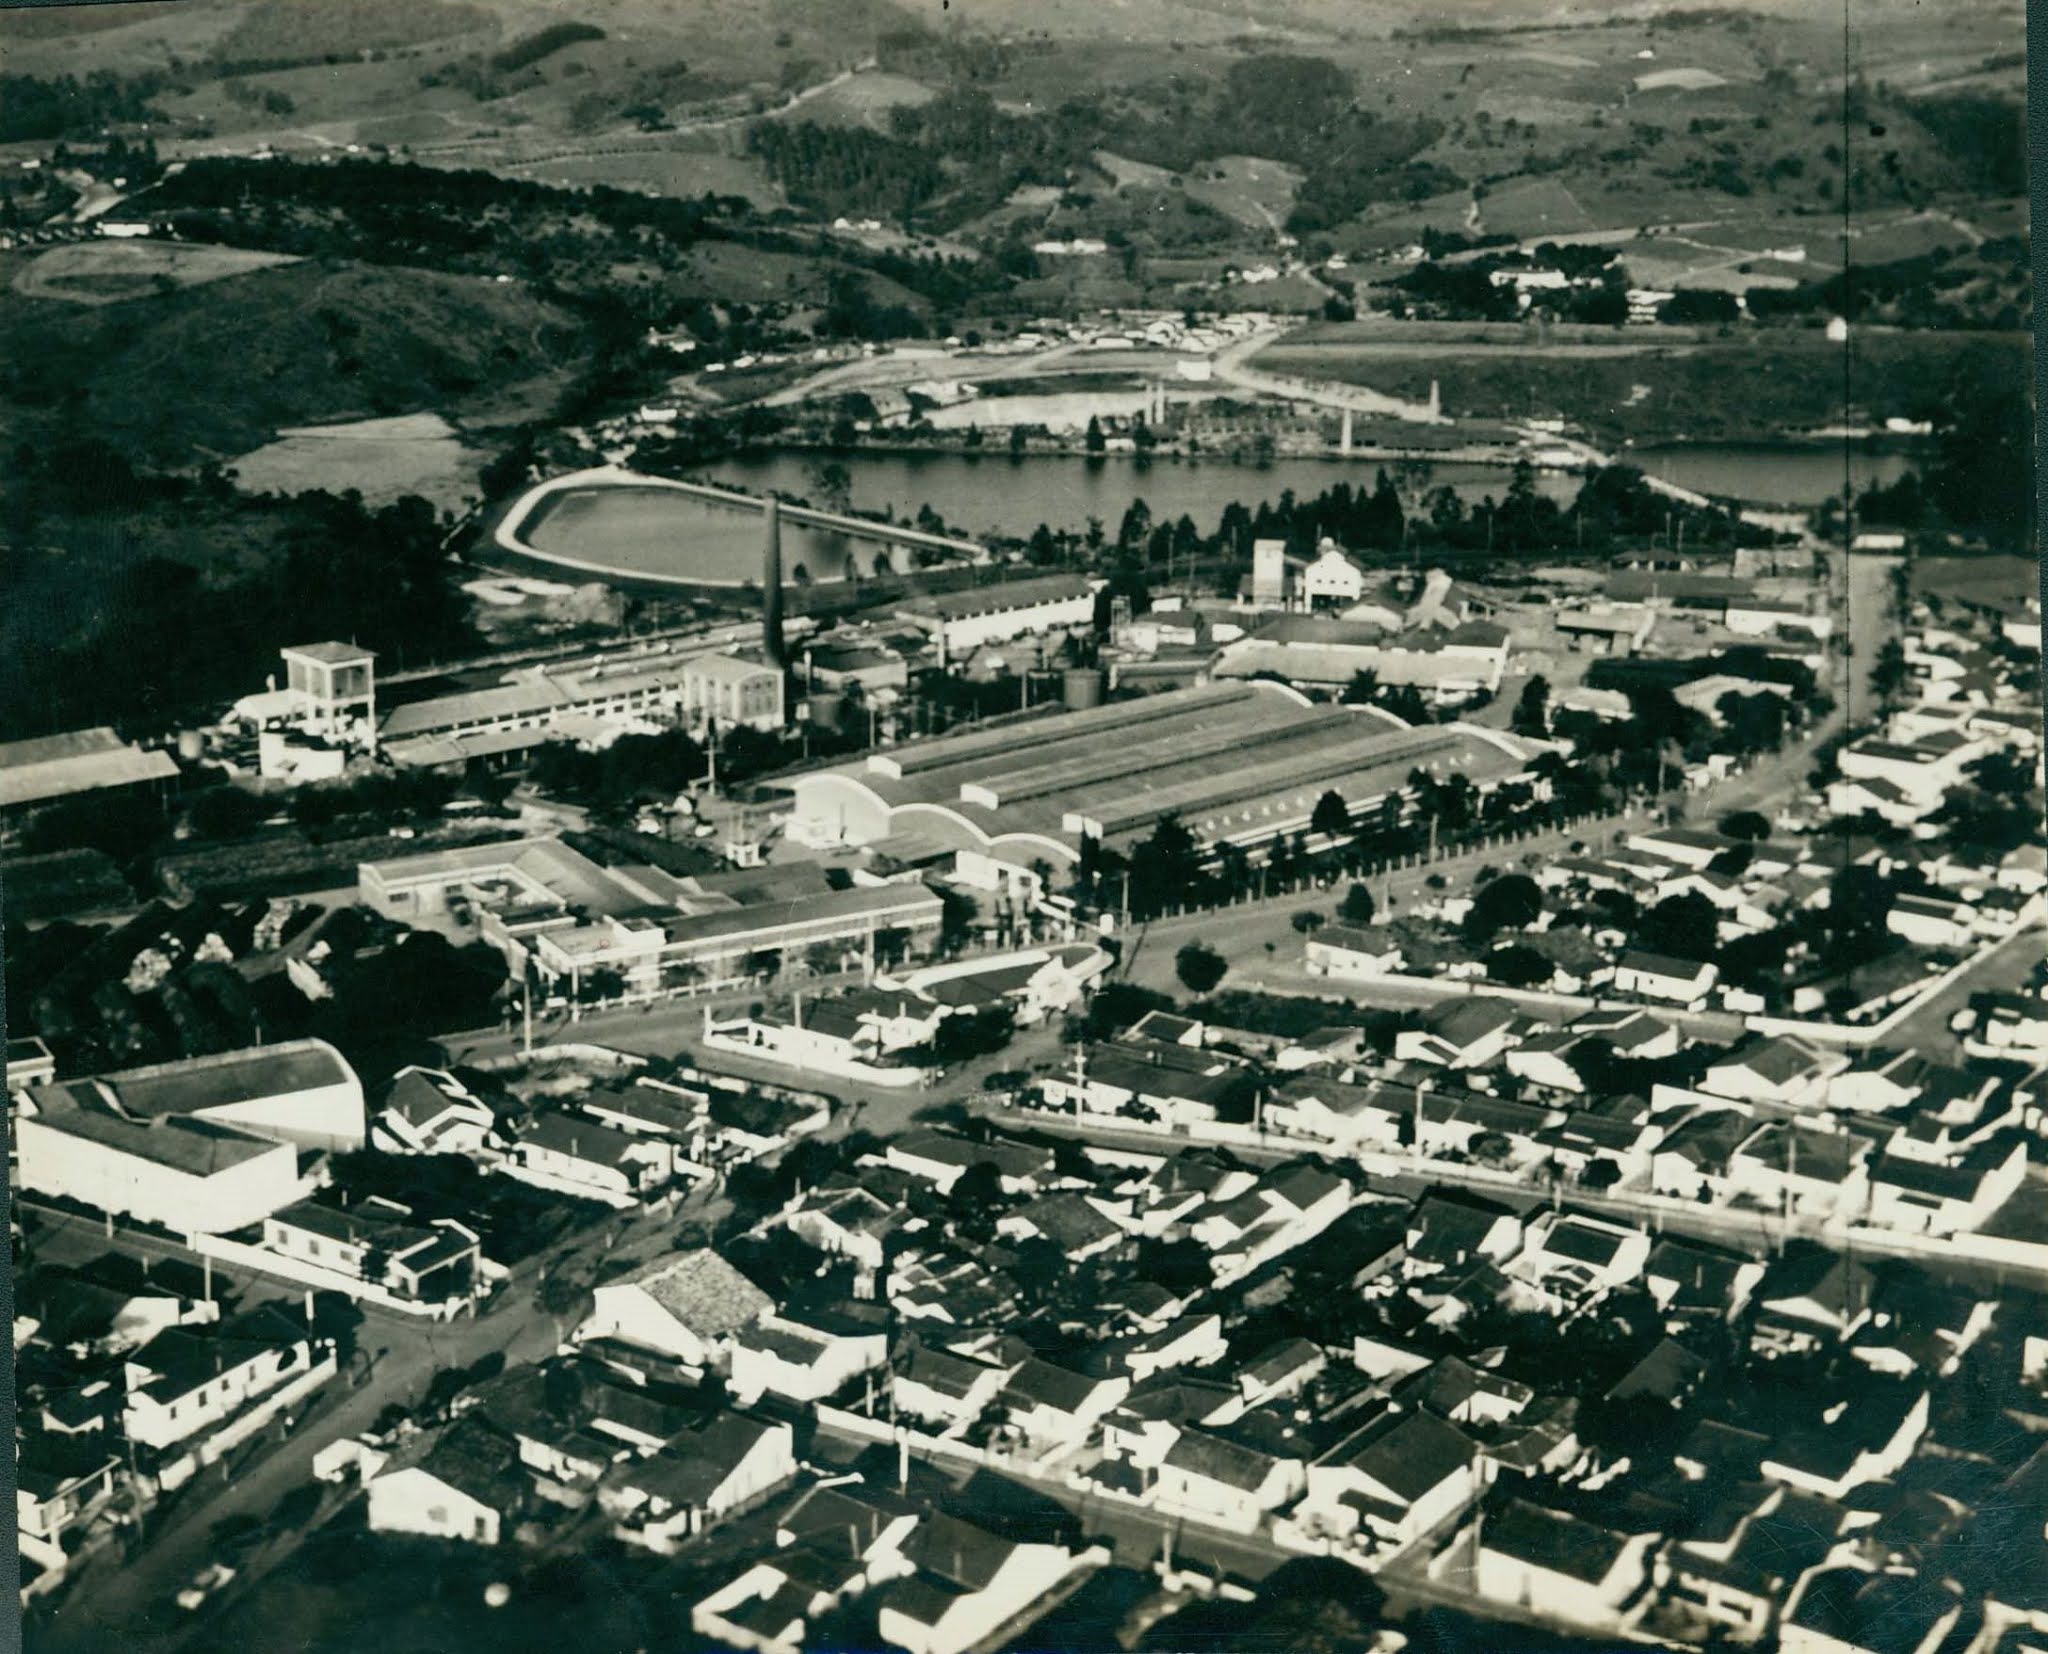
[(1236, 763)]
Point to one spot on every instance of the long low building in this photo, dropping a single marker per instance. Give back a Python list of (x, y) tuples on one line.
[(1238, 763), (540, 902), (53, 767), (964, 620), (1448, 666)]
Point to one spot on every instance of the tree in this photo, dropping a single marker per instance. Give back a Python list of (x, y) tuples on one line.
[(1685, 927), (1532, 711), (1094, 441), (1888, 676), (1200, 968), (1307, 922), (1358, 907), (958, 912), (1511, 902), (1746, 824), (1518, 966), (1332, 816)]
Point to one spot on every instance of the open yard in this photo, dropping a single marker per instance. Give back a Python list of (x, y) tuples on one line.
[(109, 272)]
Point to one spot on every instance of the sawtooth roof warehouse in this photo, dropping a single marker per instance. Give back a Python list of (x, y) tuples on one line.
[(1234, 762)]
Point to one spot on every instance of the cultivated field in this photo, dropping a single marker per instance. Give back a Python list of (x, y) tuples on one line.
[(110, 272), (1255, 192)]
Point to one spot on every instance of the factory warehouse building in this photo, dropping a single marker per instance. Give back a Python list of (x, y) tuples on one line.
[(1235, 763)]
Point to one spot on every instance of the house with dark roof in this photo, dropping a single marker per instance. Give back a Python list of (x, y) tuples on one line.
[(1455, 1390), (429, 1111), (1573, 1259), (1779, 1069), (61, 1483), (1347, 1116), (942, 1158), (1460, 1033), (466, 1485), (945, 1389), (1401, 1475), (1852, 1610), (967, 1584), (1793, 1166), (1695, 1279), (1811, 1296), (1279, 1371), (576, 1156), (1056, 1408), (1913, 1196), (188, 1381), (1831, 1444), (1215, 1479), (805, 1357), (1574, 1570), (849, 1221), (381, 1244), (722, 1465), (1450, 1231), (1665, 978), (1692, 1160), (1738, 1572), (1072, 1222)]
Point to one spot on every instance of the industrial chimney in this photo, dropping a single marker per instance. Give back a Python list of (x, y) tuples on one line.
[(771, 586)]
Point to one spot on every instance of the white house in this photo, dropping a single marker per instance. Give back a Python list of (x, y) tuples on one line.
[(968, 1583), (689, 1308), (465, 1487), (1932, 921), (1346, 950), (1213, 1479), (1571, 1569), (188, 1381), (578, 1156), (699, 1478), (429, 1111), (1660, 976), (1331, 577), (1853, 1610), (802, 1362), (1781, 1070), (1394, 1480), (942, 1387), (1057, 1408), (1918, 1198)]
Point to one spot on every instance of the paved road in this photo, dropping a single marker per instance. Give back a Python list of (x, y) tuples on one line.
[(129, 1602)]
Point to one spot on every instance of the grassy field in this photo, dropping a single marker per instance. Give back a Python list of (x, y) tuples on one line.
[(1254, 192), (864, 99), (1751, 385), (217, 370), (109, 272), (381, 459), (663, 169)]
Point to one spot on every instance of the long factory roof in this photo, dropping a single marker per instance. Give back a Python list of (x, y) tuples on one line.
[(1230, 760)]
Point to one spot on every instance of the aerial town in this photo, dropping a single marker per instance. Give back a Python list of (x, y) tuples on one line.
[(714, 994)]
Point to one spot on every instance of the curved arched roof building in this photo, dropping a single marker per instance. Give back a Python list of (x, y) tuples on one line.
[(1234, 762)]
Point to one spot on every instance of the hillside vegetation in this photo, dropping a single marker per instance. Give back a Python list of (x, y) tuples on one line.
[(219, 369)]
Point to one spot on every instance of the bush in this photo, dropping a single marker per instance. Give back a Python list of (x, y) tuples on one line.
[(1307, 921), (1200, 968)]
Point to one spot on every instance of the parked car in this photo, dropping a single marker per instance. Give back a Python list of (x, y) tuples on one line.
[(211, 1578)]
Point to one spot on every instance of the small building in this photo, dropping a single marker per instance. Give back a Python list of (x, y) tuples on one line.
[(1569, 1568), (466, 1486), (1662, 977), (967, 1583)]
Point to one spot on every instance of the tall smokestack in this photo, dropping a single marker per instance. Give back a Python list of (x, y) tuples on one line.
[(771, 586)]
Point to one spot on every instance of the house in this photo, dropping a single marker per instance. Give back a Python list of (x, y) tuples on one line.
[(1879, 1082), (188, 1381), (1057, 1408), (1666, 1375), (1932, 921), (60, 1484), (376, 1241), (1791, 1166), (1395, 1479), (1875, 795), (1069, 1221), (1693, 1278), (1455, 1390), (689, 1308), (1579, 1258), (1811, 1295), (1214, 1479), (465, 1486), (725, 1464), (429, 1111), (1689, 847), (1347, 1116), (1916, 1197), (1452, 1231), (1280, 1371), (943, 1158), (805, 1359), (1460, 1033), (942, 1387), (1574, 1570), (1779, 1069), (849, 1222), (1692, 1161), (1660, 976), (1851, 1610), (967, 1584), (1193, 1340), (580, 1157), (1349, 950), (1738, 1570), (765, 1609), (1176, 1082)]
